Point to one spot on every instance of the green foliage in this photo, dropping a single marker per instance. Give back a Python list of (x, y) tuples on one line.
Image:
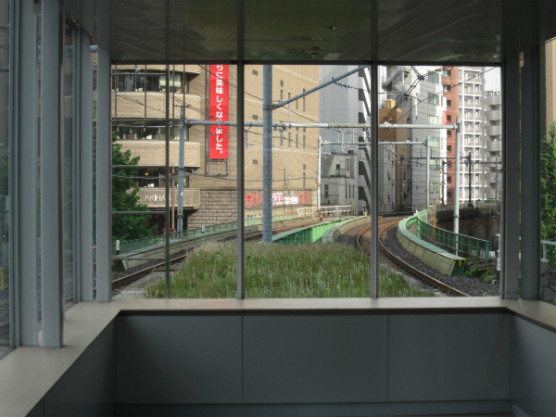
[(281, 271), (125, 198), (472, 272), (548, 191)]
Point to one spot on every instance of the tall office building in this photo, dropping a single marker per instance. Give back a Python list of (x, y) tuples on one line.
[(345, 170)]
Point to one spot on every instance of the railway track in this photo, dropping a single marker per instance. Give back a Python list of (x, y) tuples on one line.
[(384, 226), (126, 278)]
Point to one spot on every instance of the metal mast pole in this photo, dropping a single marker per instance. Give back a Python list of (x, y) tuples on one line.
[(267, 153), (319, 167), (183, 133), (456, 185), (427, 176), (470, 190)]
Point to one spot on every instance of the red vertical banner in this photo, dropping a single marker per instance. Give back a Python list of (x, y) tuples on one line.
[(219, 103)]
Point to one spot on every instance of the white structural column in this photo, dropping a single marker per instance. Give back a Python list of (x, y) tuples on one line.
[(25, 178), (85, 167), (103, 177), (51, 172)]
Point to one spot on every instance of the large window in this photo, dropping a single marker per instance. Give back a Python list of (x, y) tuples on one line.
[(548, 181), (175, 196), (5, 287)]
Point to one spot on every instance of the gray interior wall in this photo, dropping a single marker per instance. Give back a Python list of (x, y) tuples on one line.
[(289, 359), (311, 364), (533, 377), (87, 388)]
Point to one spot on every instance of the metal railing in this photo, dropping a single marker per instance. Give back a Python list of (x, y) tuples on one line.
[(139, 244), (455, 243), (544, 244)]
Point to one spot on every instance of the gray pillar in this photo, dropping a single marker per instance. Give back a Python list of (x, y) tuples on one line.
[(85, 146), (25, 181), (103, 177), (51, 176), (530, 175)]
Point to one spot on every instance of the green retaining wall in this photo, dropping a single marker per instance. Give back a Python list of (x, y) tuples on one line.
[(433, 256), (310, 234)]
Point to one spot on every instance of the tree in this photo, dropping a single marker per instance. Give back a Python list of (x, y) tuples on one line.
[(548, 191), (125, 198)]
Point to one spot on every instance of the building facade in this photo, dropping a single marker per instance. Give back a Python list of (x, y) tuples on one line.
[(210, 183)]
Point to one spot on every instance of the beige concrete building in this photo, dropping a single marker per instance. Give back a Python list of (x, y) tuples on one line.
[(138, 117)]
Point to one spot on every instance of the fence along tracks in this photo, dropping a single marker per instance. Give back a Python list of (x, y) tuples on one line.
[(387, 223)]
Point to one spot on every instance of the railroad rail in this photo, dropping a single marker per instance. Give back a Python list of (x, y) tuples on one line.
[(385, 225), (127, 277)]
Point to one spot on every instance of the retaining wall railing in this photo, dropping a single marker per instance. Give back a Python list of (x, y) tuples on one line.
[(138, 244), (455, 243)]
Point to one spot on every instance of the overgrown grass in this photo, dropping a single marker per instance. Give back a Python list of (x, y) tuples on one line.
[(281, 271)]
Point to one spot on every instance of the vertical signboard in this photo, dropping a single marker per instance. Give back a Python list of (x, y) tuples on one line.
[(219, 95)]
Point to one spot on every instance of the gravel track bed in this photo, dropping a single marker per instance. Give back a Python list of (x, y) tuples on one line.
[(469, 285)]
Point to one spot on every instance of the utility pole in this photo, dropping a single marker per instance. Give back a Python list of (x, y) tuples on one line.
[(470, 190), (456, 185), (443, 184), (267, 154), (184, 132), (427, 176), (319, 167)]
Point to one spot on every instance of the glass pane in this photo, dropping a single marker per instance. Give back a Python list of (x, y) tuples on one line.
[(548, 183), (418, 171), (201, 176), (69, 161), (5, 320)]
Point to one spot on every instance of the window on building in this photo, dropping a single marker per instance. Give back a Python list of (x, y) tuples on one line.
[(446, 72), (449, 148), (446, 88), (449, 103)]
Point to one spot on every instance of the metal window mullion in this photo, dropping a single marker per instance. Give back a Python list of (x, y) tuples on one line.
[(240, 154), (75, 163), (103, 179), (24, 177), (509, 242), (85, 167), (167, 184), (374, 180), (51, 176)]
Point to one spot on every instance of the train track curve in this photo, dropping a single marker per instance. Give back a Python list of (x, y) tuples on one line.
[(385, 225)]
